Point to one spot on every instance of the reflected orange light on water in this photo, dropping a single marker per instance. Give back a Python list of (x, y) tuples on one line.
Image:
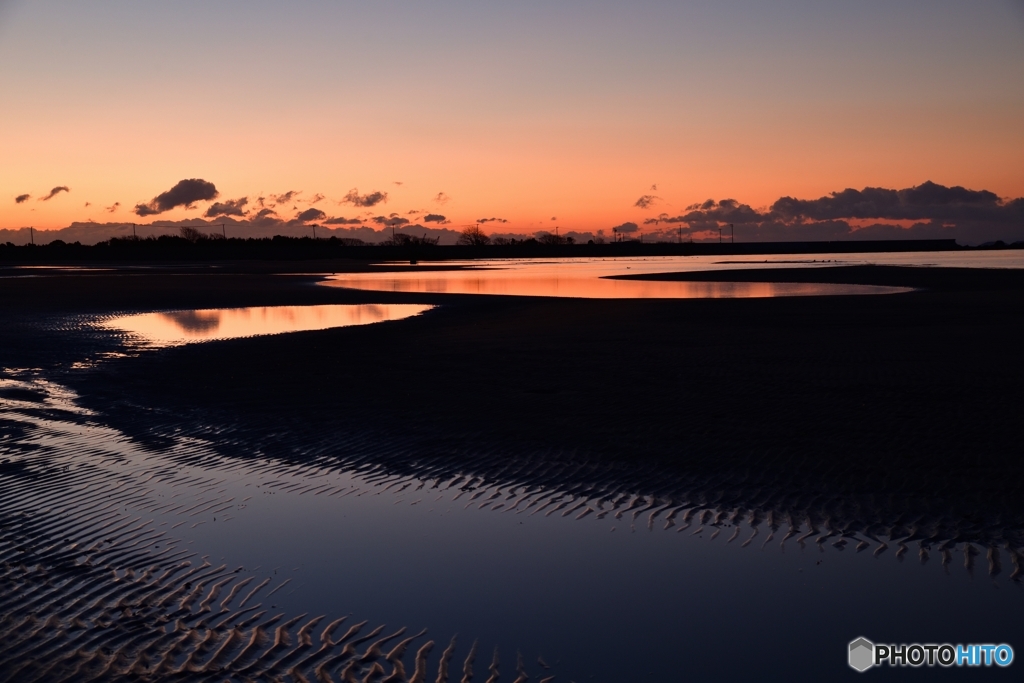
[(591, 278), (494, 283), (175, 327)]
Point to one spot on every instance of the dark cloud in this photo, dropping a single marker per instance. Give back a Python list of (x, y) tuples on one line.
[(435, 218), (554, 218), (229, 207), (646, 201), (481, 221), (928, 201), (259, 224), (22, 198), (315, 198), (392, 221), (88, 204), (286, 196), (968, 216), (186, 193), (442, 198), (114, 207), (654, 187), (311, 214), (928, 210), (399, 183), (725, 211), (372, 199), (266, 218), (414, 232), (54, 192)]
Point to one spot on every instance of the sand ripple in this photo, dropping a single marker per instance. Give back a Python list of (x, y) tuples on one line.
[(90, 591)]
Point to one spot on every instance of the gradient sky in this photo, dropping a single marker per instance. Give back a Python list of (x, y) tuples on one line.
[(524, 110)]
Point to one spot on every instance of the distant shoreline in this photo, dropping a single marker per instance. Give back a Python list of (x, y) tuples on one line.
[(176, 249), (906, 404)]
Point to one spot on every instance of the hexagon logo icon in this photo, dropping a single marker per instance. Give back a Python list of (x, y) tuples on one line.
[(862, 654)]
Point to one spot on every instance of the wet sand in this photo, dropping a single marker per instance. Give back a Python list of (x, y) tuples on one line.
[(889, 421), (870, 392), (885, 388), (928, 374)]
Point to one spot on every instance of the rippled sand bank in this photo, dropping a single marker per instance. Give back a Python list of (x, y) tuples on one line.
[(842, 435)]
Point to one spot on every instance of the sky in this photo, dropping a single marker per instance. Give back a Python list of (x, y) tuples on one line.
[(562, 113)]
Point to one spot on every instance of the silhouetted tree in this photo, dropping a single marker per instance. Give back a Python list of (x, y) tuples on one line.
[(474, 237), (404, 240), (191, 234), (549, 239)]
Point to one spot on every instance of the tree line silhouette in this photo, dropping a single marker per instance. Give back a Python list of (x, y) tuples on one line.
[(193, 244)]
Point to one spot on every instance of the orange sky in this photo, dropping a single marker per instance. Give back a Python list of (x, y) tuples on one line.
[(522, 130)]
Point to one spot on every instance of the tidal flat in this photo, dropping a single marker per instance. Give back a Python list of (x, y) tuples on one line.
[(518, 486)]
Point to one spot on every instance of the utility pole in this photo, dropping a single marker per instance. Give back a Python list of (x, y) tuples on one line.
[(32, 235), (134, 234), (223, 231), (719, 234), (314, 232), (732, 234)]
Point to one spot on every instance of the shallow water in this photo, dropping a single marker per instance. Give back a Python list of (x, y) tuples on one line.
[(595, 583), (176, 327), (186, 549), (493, 282), (587, 277)]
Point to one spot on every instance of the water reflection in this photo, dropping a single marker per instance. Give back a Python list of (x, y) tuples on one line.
[(195, 322), (251, 560), (516, 283), (175, 327), (588, 277)]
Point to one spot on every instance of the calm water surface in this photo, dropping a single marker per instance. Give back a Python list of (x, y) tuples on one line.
[(175, 327), (586, 277), (579, 587), (584, 585), (521, 283)]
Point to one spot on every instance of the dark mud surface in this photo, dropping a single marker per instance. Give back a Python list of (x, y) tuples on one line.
[(886, 426)]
